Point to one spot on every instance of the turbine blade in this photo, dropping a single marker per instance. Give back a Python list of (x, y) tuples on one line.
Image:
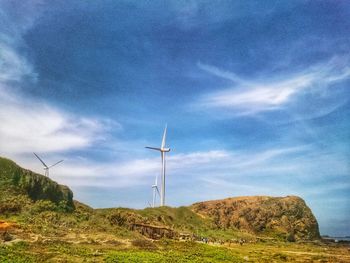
[(157, 190), (153, 148), (164, 137), (156, 181), (40, 160), (55, 164)]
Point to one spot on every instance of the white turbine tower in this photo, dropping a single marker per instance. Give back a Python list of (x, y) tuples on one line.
[(46, 168), (155, 191), (162, 151)]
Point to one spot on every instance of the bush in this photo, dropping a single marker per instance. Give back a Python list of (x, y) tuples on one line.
[(13, 204), (43, 205), (290, 237), (117, 219), (64, 207)]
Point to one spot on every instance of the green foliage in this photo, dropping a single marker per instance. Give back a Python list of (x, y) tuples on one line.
[(18, 252), (117, 219), (35, 186), (64, 206), (280, 256), (144, 244), (176, 252), (12, 203), (43, 205)]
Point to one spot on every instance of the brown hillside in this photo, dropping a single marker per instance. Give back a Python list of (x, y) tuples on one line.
[(286, 216)]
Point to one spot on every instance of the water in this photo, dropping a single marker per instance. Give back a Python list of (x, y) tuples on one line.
[(342, 238), (347, 238)]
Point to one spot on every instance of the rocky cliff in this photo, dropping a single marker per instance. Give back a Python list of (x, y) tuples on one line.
[(18, 181), (283, 216)]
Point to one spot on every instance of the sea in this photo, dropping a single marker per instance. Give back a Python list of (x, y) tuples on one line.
[(337, 239)]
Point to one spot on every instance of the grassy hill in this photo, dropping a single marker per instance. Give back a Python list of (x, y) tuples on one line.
[(42, 202), (18, 183), (39, 222)]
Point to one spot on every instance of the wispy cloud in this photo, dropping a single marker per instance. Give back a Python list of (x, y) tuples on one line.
[(13, 67), (271, 93), (29, 125), (221, 73)]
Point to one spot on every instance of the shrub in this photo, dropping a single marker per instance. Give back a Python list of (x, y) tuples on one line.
[(290, 237), (117, 219), (64, 207), (43, 205)]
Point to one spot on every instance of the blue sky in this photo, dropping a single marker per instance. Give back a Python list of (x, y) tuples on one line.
[(255, 94)]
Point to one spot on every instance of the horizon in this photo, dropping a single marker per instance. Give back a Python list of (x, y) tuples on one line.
[(255, 95)]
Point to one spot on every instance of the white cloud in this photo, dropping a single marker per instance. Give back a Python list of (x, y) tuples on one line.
[(261, 95), (28, 126), (196, 166), (278, 171)]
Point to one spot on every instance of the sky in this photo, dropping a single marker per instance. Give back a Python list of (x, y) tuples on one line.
[(255, 95)]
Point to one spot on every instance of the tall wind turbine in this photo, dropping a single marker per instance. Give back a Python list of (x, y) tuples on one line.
[(162, 151), (155, 191), (46, 168)]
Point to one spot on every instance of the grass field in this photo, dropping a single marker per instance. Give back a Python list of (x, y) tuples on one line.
[(168, 251)]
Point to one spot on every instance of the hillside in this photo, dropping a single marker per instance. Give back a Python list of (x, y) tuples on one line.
[(19, 186), (282, 216), (286, 218)]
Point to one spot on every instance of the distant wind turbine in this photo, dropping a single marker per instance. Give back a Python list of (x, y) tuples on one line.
[(155, 191), (46, 168), (162, 151)]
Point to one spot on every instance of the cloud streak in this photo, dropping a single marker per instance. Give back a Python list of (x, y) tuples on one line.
[(270, 94)]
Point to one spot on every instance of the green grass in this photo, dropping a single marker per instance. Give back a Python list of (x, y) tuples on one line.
[(170, 251), (181, 219), (17, 252)]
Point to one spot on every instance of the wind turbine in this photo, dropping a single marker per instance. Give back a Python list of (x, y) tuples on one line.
[(162, 151), (155, 191), (46, 168)]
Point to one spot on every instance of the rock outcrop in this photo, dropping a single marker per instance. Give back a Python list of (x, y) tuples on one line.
[(287, 217)]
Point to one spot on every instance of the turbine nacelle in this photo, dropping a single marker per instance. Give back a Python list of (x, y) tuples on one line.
[(158, 149), (46, 168)]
